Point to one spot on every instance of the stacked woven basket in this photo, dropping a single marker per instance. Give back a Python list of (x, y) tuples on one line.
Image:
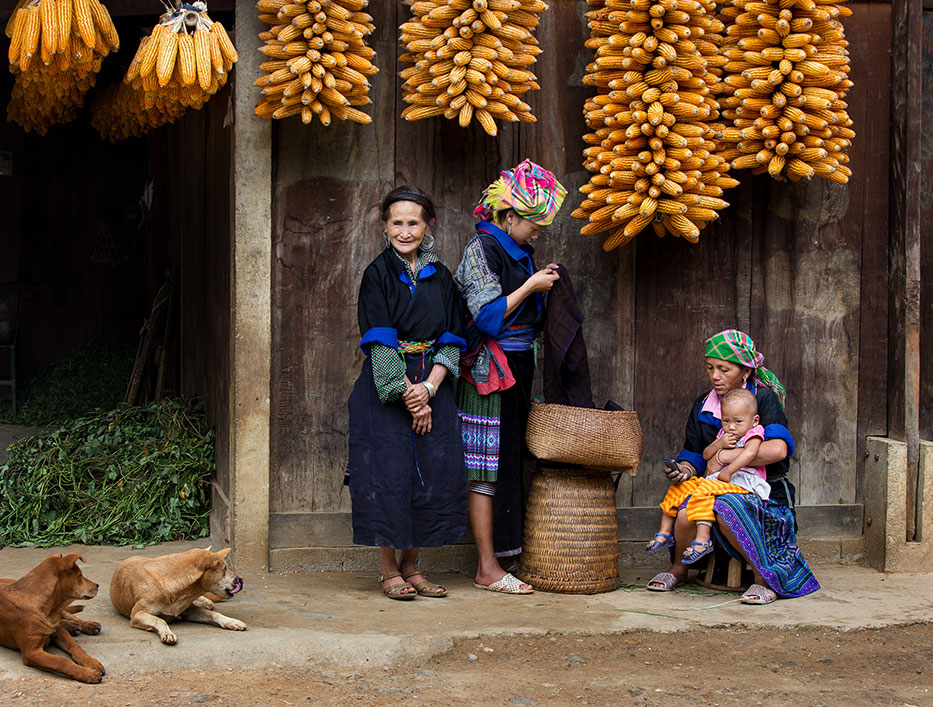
[(571, 527)]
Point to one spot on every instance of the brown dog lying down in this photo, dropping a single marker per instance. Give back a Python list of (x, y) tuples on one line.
[(34, 611), (154, 590)]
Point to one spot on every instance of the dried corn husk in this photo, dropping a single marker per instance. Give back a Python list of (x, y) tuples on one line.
[(653, 149), (470, 60), (787, 77), (318, 61), (180, 65), (56, 48)]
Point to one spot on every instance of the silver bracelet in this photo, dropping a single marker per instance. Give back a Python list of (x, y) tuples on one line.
[(432, 391)]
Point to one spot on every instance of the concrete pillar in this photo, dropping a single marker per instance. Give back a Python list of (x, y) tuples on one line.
[(886, 507), (250, 316)]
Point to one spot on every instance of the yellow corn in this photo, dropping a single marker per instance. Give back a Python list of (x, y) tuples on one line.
[(104, 24), (84, 19), (186, 59), (168, 51), (48, 19), (202, 58)]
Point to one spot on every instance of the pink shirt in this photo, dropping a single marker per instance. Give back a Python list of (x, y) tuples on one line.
[(756, 431)]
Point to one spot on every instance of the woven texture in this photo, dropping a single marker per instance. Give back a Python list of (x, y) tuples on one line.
[(571, 532), (601, 439)]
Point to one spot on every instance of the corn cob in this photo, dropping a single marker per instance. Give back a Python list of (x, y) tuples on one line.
[(173, 70), (788, 78), (104, 24), (322, 45), (471, 53), (54, 67), (652, 151), (48, 15)]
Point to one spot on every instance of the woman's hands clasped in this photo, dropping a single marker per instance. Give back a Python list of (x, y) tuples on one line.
[(416, 399)]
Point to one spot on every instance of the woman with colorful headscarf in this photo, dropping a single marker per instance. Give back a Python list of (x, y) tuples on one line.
[(763, 533), (504, 293)]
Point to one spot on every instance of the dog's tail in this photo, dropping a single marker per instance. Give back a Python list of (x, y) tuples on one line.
[(74, 608)]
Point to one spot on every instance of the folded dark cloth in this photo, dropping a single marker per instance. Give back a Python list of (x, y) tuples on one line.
[(566, 367)]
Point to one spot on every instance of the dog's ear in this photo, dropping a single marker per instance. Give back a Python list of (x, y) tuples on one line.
[(70, 560), (222, 553)]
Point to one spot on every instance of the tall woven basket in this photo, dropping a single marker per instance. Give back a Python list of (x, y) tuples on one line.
[(571, 532), (599, 439)]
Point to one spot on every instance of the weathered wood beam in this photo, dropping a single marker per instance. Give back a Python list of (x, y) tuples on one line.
[(904, 244)]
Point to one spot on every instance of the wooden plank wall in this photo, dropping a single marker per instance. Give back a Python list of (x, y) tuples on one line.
[(190, 168), (926, 249), (801, 267)]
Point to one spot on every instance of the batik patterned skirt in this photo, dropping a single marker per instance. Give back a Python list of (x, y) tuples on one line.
[(765, 531)]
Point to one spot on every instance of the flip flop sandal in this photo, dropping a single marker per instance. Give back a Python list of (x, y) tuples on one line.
[(692, 554), (426, 588), (396, 591), (759, 594), (509, 584), (655, 545), (667, 581)]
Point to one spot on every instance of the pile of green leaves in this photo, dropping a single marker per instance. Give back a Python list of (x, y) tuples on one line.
[(91, 377), (129, 476)]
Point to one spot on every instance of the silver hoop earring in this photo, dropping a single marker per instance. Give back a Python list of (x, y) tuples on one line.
[(385, 237), (427, 243)]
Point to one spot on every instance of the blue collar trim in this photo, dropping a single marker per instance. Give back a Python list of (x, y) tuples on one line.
[(515, 251)]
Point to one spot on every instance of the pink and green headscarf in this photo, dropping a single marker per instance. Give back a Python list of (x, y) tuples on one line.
[(737, 346), (531, 190)]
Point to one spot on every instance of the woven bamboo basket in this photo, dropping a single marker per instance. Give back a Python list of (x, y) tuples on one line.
[(571, 532), (600, 439)]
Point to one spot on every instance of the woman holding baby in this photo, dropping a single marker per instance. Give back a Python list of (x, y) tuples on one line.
[(754, 520)]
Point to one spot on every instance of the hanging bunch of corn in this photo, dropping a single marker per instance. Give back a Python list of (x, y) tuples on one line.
[(318, 60), (180, 65), (56, 47), (124, 111), (471, 60), (787, 74), (652, 152)]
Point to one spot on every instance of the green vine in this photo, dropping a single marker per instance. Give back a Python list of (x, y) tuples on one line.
[(128, 476)]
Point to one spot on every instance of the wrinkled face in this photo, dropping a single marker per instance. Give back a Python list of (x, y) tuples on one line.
[(521, 230), (725, 375), (406, 228), (219, 579), (738, 418)]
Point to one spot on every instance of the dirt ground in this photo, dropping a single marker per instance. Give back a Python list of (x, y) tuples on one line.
[(719, 666)]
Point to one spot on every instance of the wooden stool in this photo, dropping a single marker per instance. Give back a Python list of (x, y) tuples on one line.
[(571, 541), (733, 576)]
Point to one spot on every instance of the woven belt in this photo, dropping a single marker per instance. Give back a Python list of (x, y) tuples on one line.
[(415, 347)]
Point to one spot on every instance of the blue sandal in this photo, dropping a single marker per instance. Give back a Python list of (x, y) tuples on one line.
[(655, 545), (697, 549)]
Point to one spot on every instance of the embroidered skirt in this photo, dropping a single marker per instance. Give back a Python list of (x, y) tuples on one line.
[(765, 530), (495, 448)]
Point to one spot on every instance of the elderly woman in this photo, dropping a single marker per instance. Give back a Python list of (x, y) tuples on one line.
[(503, 291), (405, 468), (763, 533)]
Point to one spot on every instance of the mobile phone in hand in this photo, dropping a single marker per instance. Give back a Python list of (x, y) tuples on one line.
[(672, 465)]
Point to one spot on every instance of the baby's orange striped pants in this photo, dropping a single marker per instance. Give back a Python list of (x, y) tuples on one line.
[(702, 493)]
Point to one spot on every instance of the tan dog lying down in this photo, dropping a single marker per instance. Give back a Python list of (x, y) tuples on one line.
[(153, 590), (34, 611)]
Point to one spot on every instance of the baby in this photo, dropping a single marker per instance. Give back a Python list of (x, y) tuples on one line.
[(740, 430)]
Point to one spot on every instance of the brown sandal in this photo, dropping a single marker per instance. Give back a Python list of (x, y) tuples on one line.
[(396, 591), (426, 588)]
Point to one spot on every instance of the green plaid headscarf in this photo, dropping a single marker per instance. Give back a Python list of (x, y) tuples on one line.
[(737, 346)]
